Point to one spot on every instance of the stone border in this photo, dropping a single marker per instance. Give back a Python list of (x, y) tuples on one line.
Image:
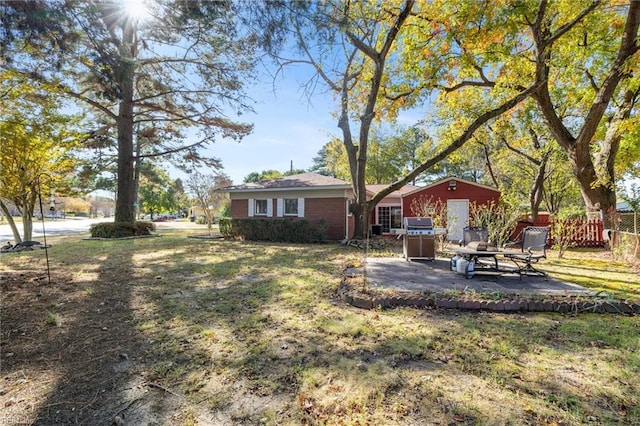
[(560, 304)]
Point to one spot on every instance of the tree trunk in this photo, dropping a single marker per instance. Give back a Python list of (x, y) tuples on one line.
[(537, 189), (362, 219), (27, 225), (597, 197), (125, 209), (27, 212), (125, 200), (12, 223), (136, 179), (361, 214), (597, 191)]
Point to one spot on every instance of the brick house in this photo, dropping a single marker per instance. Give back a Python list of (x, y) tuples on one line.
[(458, 194), (315, 197), (308, 196)]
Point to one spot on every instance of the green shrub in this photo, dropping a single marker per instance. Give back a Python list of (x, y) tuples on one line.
[(319, 234), (121, 230), (276, 230)]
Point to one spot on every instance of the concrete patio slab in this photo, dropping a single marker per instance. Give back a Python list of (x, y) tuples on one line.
[(435, 276)]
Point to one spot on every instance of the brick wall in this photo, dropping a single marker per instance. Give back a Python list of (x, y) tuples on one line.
[(239, 208), (332, 210)]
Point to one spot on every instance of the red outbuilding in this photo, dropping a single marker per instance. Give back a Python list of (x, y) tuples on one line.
[(457, 194)]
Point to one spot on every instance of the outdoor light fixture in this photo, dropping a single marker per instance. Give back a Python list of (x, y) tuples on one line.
[(452, 185)]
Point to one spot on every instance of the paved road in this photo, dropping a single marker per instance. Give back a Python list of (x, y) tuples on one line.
[(51, 227), (80, 225)]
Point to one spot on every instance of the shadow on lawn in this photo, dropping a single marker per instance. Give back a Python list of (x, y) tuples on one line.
[(95, 350), (282, 348), (264, 366), (235, 333)]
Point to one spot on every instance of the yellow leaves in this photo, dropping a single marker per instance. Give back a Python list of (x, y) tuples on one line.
[(35, 139)]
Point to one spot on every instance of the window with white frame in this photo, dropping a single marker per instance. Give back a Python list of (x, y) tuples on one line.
[(261, 207), (389, 217), (290, 206)]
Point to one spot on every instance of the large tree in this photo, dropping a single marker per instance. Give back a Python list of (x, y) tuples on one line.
[(526, 164), (380, 58), (205, 191), (332, 160), (581, 57), (157, 192), (182, 67), (587, 90), (393, 153)]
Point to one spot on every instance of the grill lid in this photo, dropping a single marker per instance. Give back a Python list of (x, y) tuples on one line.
[(418, 223)]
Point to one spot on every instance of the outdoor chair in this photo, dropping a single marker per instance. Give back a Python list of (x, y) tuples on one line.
[(474, 234), (532, 248)]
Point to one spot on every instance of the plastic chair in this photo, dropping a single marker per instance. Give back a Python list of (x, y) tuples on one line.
[(533, 247)]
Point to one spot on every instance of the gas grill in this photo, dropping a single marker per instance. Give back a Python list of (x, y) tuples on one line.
[(419, 238), (419, 226)]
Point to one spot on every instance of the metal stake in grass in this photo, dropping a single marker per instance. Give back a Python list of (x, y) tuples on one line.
[(44, 234)]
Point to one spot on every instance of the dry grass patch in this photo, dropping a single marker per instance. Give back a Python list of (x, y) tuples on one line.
[(598, 270), (180, 331)]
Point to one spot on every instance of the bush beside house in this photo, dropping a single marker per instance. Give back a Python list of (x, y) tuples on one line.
[(275, 230)]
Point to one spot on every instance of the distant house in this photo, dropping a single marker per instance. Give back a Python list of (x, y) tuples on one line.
[(308, 196), (458, 194)]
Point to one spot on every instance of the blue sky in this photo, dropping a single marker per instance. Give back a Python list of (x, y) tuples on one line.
[(287, 127)]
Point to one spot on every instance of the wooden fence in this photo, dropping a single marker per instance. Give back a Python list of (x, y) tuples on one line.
[(580, 233)]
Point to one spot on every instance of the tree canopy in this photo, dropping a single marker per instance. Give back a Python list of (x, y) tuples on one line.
[(184, 67), (204, 189), (269, 175), (37, 148), (468, 63), (532, 84)]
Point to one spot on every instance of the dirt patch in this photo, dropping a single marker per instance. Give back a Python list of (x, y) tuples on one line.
[(72, 353), (65, 330)]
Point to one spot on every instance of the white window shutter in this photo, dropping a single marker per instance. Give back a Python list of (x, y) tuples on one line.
[(252, 206), (269, 207), (300, 207), (280, 207)]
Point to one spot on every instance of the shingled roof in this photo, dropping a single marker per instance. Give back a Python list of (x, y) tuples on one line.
[(375, 188), (308, 180)]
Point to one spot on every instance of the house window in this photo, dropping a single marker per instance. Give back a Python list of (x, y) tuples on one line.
[(390, 217), (261, 207), (291, 207)]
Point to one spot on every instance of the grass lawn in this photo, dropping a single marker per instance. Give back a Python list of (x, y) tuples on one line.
[(181, 331)]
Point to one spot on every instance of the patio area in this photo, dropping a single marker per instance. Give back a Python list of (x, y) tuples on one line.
[(396, 273)]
